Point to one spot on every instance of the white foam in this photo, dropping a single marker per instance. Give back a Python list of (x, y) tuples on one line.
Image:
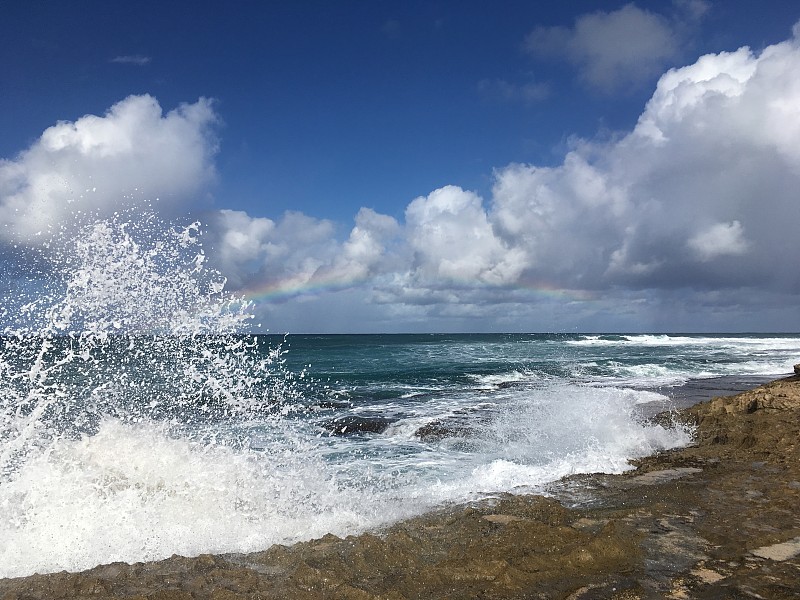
[(137, 492), (546, 434), (767, 342), (500, 379), (134, 492)]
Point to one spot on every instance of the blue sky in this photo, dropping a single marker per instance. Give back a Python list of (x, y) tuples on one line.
[(385, 128)]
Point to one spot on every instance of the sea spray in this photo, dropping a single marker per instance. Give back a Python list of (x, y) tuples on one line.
[(135, 327), (116, 375), (138, 419)]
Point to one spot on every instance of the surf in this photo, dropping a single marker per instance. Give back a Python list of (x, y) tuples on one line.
[(140, 418)]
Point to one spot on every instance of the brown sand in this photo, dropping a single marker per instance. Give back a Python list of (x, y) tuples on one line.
[(720, 519)]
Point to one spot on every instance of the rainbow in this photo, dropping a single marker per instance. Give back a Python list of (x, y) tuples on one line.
[(282, 290)]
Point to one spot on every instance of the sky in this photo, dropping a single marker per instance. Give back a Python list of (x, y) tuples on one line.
[(454, 166)]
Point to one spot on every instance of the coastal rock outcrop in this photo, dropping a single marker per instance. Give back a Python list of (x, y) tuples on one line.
[(718, 519), (758, 420)]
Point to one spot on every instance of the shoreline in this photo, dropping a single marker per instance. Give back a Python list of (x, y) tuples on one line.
[(717, 519)]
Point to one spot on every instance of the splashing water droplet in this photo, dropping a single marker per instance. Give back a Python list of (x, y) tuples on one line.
[(120, 334)]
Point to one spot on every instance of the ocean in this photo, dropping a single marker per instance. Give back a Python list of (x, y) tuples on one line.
[(137, 421)]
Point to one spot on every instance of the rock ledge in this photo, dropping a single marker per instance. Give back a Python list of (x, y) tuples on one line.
[(719, 519)]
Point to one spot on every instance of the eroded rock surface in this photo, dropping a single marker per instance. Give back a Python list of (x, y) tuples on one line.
[(720, 519)]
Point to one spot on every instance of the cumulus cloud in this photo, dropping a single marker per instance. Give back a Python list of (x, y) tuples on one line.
[(364, 254), (130, 156), (622, 47), (453, 241), (693, 211), (257, 253), (287, 257), (699, 194), (719, 240), (699, 198), (710, 168)]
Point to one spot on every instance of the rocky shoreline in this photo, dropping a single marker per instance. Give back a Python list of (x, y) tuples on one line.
[(719, 519)]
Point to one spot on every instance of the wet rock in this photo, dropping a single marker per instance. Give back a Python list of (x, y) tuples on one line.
[(441, 429), (463, 424), (715, 520), (354, 425)]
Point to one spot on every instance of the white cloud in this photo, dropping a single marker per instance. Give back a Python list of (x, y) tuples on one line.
[(692, 214), (364, 252), (128, 157), (700, 193), (447, 253), (719, 240), (447, 241), (240, 243), (692, 10), (612, 49), (256, 252), (453, 241), (564, 219), (138, 60), (298, 253), (711, 157), (699, 198)]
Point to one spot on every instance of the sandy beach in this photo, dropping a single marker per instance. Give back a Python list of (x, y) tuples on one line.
[(718, 519)]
